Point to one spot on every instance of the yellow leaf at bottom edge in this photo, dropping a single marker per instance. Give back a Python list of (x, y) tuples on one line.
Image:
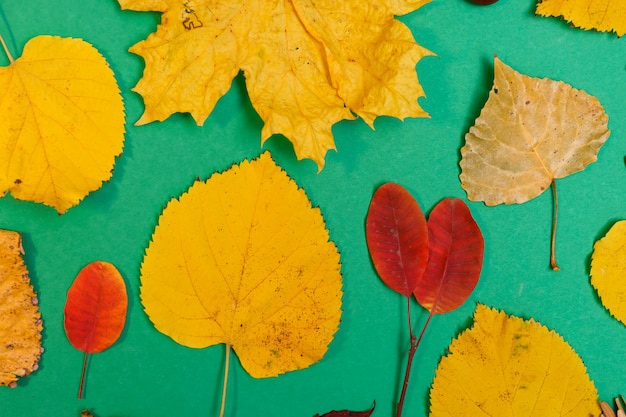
[(506, 366), (608, 267), (62, 119), (243, 259), (20, 320)]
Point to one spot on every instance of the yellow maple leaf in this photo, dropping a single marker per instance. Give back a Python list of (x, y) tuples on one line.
[(608, 267), (307, 65), (602, 15), (505, 366), (530, 132), (62, 119), (243, 259), (20, 320)]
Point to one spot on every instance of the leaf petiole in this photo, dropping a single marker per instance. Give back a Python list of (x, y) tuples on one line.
[(6, 50), (555, 215), (409, 364), (82, 376), (226, 366)]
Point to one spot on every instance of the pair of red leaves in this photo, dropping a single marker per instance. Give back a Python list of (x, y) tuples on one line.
[(438, 261), (95, 310)]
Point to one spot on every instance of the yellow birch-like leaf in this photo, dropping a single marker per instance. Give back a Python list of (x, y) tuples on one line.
[(506, 366), (20, 320), (530, 132), (307, 64), (602, 15), (62, 119), (608, 269), (243, 259)]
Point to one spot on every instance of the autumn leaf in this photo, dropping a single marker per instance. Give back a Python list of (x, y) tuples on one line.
[(397, 237), (507, 366), (455, 257), (348, 413), (244, 260), (95, 310), (439, 261), (608, 267), (63, 122), (602, 15), (530, 132), (307, 65), (20, 320)]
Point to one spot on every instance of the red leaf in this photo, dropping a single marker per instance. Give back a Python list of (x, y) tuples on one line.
[(397, 237), (455, 260), (346, 413), (95, 310)]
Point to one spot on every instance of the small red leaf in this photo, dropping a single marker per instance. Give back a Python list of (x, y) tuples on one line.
[(397, 237), (455, 260), (346, 413), (95, 310)]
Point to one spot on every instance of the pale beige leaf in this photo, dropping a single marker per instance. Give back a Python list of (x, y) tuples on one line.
[(530, 132)]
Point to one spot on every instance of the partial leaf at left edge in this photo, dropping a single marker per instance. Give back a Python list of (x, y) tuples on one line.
[(62, 118), (20, 319)]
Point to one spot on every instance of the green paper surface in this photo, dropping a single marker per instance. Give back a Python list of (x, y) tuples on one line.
[(147, 374)]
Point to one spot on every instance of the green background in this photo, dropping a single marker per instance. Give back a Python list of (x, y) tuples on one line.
[(147, 374)]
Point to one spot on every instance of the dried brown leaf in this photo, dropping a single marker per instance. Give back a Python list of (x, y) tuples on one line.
[(20, 320)]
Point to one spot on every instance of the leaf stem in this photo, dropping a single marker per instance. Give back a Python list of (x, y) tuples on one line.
[(6, 50), (226, 366), (412, 349), (408, 309), (4, 45), (82, 376), (555, 215)]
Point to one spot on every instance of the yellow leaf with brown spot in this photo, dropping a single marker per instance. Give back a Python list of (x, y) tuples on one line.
[(602, 15), (530, 132), (62, 119), (307, 64), (244, 260), (506, 366), (608, 268), (20, 320)]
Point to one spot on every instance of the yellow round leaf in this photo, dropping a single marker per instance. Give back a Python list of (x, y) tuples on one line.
[(509, 367), (608, 268), (243, 259), (20, 320), (62, 121)]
